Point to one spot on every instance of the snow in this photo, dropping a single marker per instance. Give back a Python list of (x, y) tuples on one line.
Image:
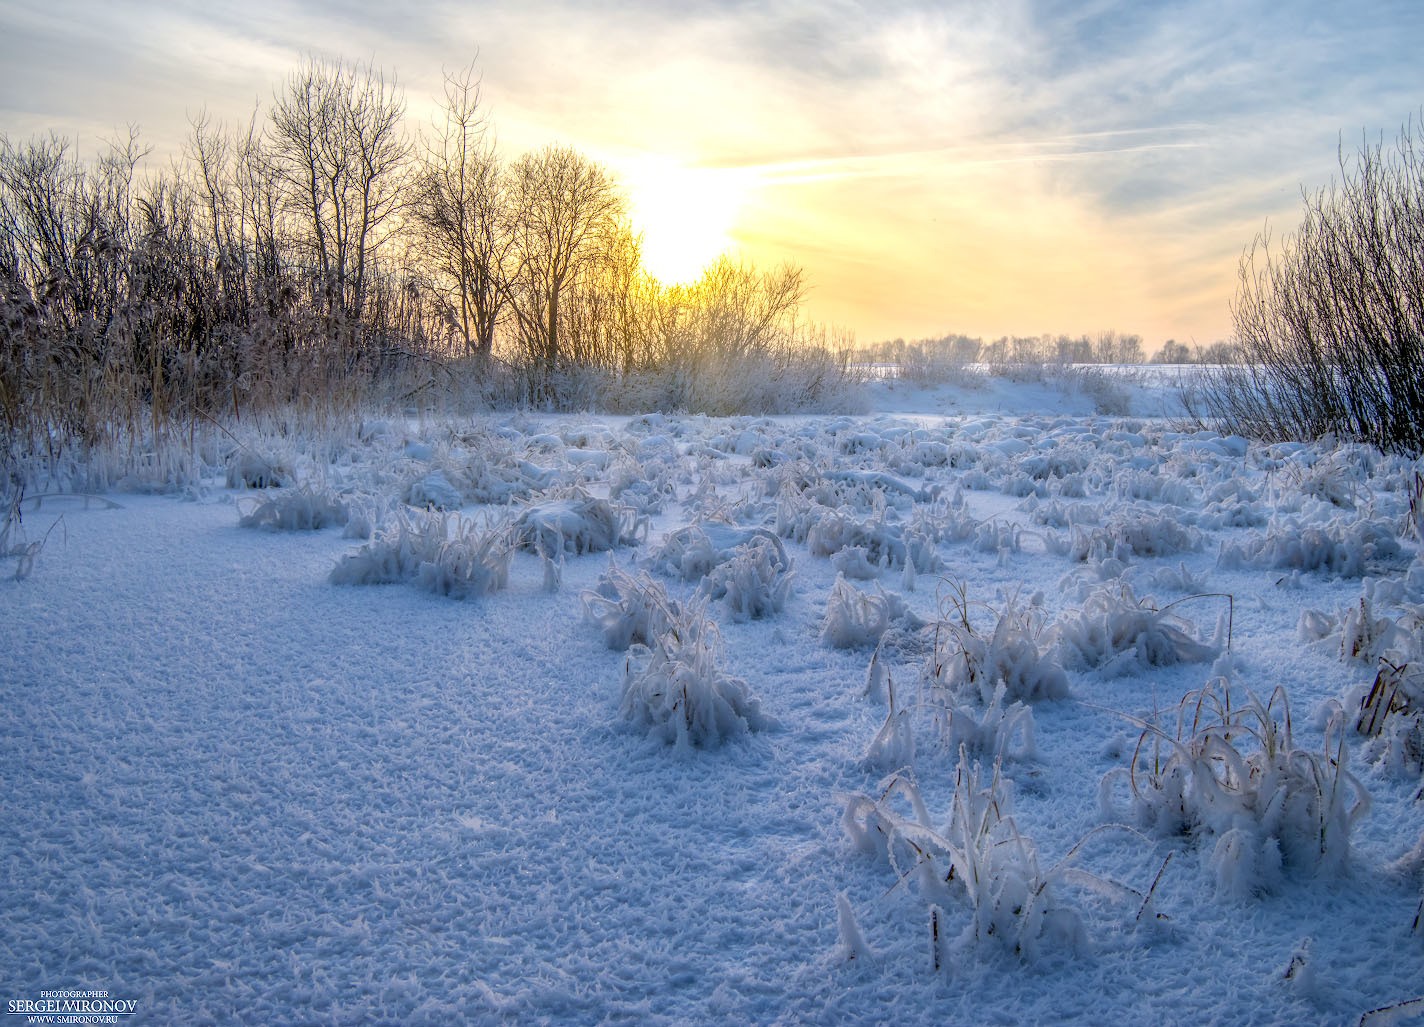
[(235, 791)]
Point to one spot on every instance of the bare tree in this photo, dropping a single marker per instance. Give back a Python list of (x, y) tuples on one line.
[(340, 151), (565, 210), (461, 213)]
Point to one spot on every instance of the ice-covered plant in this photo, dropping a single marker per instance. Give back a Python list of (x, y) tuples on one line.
[(434, 491), (975, 858), (883, 542), (577, 523), (247, 468), (969, 662), (1345, 549), (677, 690), (1113, 630), (1136, 533), (629, 610), (442, 552), (1231, 777), (855, 618), (1414, 519), (305, 508), (755, 582), (1391, 717), (998, 731), (692, 552)]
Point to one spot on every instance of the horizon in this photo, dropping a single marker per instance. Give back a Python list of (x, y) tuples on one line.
[(991, 170)]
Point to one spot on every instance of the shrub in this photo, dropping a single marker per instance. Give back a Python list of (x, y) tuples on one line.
[(1330, 325), (576, 523), (629, 609), (855, 618)]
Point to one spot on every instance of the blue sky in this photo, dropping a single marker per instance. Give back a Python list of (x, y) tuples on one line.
[(1017, 167)]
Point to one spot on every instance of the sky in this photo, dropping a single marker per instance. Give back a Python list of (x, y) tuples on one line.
[(1018, 167)]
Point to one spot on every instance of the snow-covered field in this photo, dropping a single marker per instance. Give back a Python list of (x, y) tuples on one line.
[(841, 729)]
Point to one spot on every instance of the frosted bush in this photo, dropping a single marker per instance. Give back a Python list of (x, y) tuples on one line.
[(1365, 637), (644, 487), (883, 543), (433, 492), (754, 583), (577, 523), (629, 610), (855, 619), (1343, 549), (300, 509), (247, 468), (1256, 812), (1391, 717), (1002, 537), (1136, 533), (443, 553), (676, 689), (1114, 631), (691, 553), (1014, 654), (975, 859), (866, 483)]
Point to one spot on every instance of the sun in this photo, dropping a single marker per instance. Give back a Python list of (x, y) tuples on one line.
[(685, 215)]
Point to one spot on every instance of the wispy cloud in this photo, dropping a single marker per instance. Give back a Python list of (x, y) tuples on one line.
[(1015, 164)]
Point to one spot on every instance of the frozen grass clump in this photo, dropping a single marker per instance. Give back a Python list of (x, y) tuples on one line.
[(434, 492), (629, 610), (975, 859), (1115, 632), (997, 731), (1232, 778), (304, 508), (577, 523), (856, 619), (1339, 548), (247, 468), (443, 553), (1136, 533), (755, 582), (676, 689), (1391, 717), (883, 544), (1015, 654), (693, 552)]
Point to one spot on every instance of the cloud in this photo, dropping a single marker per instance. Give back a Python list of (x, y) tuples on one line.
[(1025, 160)]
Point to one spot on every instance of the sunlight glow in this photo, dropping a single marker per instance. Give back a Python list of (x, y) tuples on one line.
[(684, 214)]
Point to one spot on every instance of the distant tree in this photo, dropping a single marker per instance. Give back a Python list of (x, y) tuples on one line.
[(1173, 352)]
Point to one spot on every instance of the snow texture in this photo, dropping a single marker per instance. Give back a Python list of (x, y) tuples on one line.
[(235, 792)]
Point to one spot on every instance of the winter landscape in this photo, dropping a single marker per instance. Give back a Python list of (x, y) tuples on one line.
[(637, 513), (981, 708)]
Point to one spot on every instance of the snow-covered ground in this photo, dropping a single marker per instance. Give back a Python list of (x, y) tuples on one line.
[(235, 791)]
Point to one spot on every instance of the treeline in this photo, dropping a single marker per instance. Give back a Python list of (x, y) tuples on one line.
[(326, 252), (1107, 347)]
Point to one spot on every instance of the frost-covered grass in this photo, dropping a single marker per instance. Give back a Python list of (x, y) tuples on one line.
[(243, 793), (1231, 777), (676, 687)]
